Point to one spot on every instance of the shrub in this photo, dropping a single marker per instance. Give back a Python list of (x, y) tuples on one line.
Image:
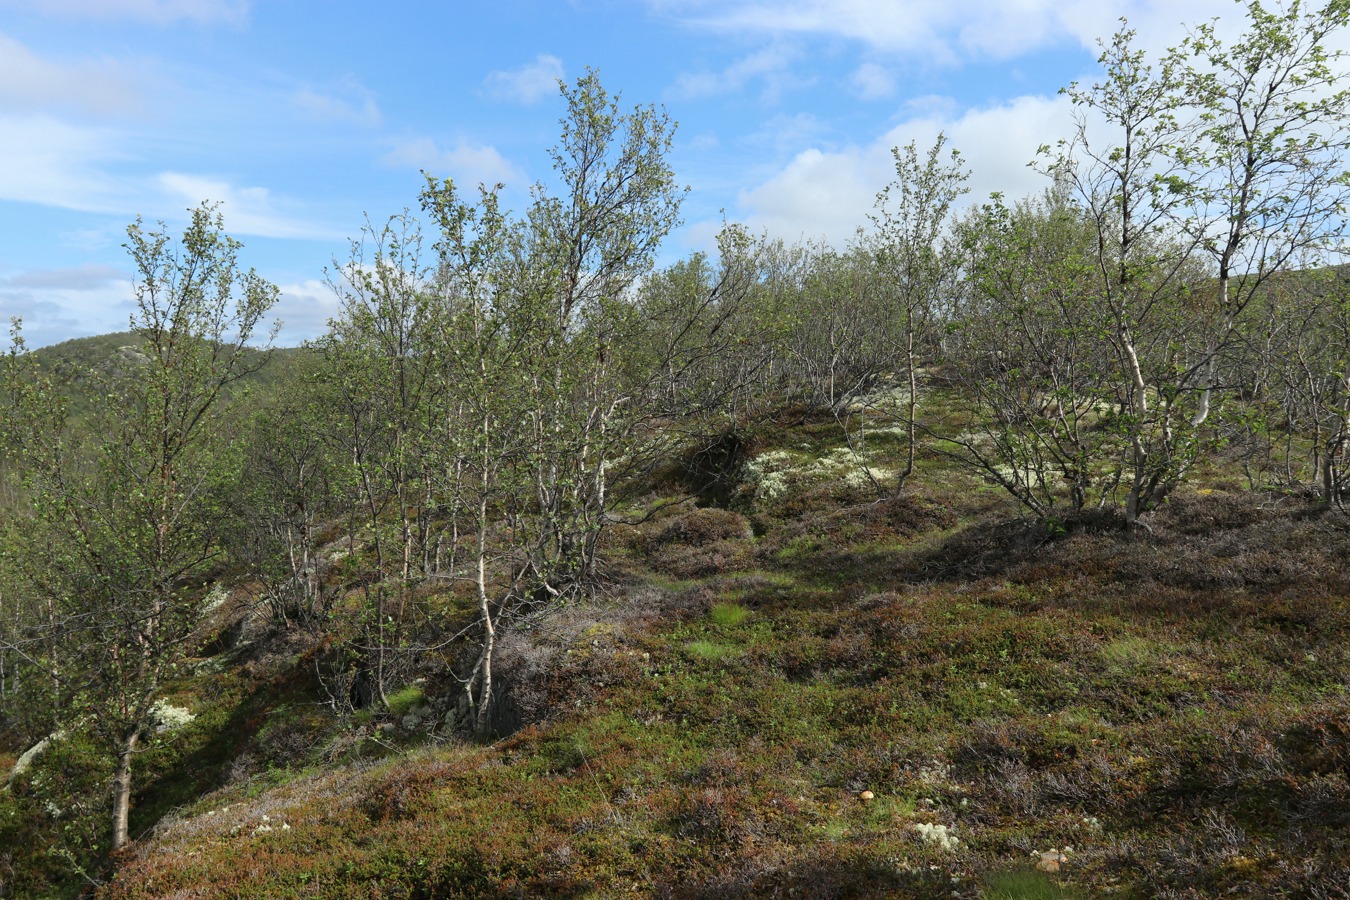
[(701, 528), (701, 543)]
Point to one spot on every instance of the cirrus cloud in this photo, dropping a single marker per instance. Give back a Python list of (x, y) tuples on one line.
[(466, 162), (946, 31), (31, 83), (771, 67), (527, 85), (247, 210), (873, 82), (350, 104)]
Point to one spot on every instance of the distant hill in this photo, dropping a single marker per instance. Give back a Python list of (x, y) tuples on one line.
[(75, 361)]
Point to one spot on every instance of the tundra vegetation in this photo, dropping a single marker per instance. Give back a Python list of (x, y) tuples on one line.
[(1000, 553)]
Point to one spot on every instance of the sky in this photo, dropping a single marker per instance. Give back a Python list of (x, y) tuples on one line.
[(306, 120)]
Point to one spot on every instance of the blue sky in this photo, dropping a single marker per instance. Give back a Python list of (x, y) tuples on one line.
[(302, 118)]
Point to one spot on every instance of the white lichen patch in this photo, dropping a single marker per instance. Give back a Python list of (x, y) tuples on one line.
[(888, 399), (168, 717), (774, 474), (216, 598), (936, 835), (935, 772), (847, 465), (866, 476), (767, 474), (25, 760)]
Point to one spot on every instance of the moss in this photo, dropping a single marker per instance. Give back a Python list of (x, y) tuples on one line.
[(405, 699)]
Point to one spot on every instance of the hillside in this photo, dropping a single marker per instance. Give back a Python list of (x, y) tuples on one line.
[(807, 693), (999, 553), (79, 360)]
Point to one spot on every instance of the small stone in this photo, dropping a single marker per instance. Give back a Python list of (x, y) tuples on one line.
[(865, 796)]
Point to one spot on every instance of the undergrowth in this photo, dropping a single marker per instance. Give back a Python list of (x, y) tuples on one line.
[(916, 697)]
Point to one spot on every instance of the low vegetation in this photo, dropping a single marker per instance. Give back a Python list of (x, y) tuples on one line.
[(1041, 693)]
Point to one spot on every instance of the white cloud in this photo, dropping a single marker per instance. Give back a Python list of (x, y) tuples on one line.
[(829, 193), (703, 143), (86, 277), (785, 132), (527, 85), (30, 83), (873, 82), (53, 163), (946, 31), (43, 160), (357, 107), (247, 210), (771, 66), (467, 163), (58, 304), (304, 309), (156, 12)]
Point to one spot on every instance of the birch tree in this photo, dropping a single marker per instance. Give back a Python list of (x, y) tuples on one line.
[(124, 512), (911, 217), (539, 311), (1265, 187), (1125, 167)]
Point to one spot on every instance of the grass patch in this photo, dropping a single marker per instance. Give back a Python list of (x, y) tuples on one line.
[(728, 615), (1025, 884), (708, 650)]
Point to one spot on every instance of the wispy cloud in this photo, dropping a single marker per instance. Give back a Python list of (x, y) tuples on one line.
[(770, 67), (53, 163), (944, 31), (32, 83), (87, 277), (247, 210), (155, 12), (350, 104), (47, 161), (466, 162), (873, 82), (528, 84)]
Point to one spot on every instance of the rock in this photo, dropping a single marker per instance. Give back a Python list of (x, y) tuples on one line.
[(25, 761), (1050, 860), (864, 796)]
